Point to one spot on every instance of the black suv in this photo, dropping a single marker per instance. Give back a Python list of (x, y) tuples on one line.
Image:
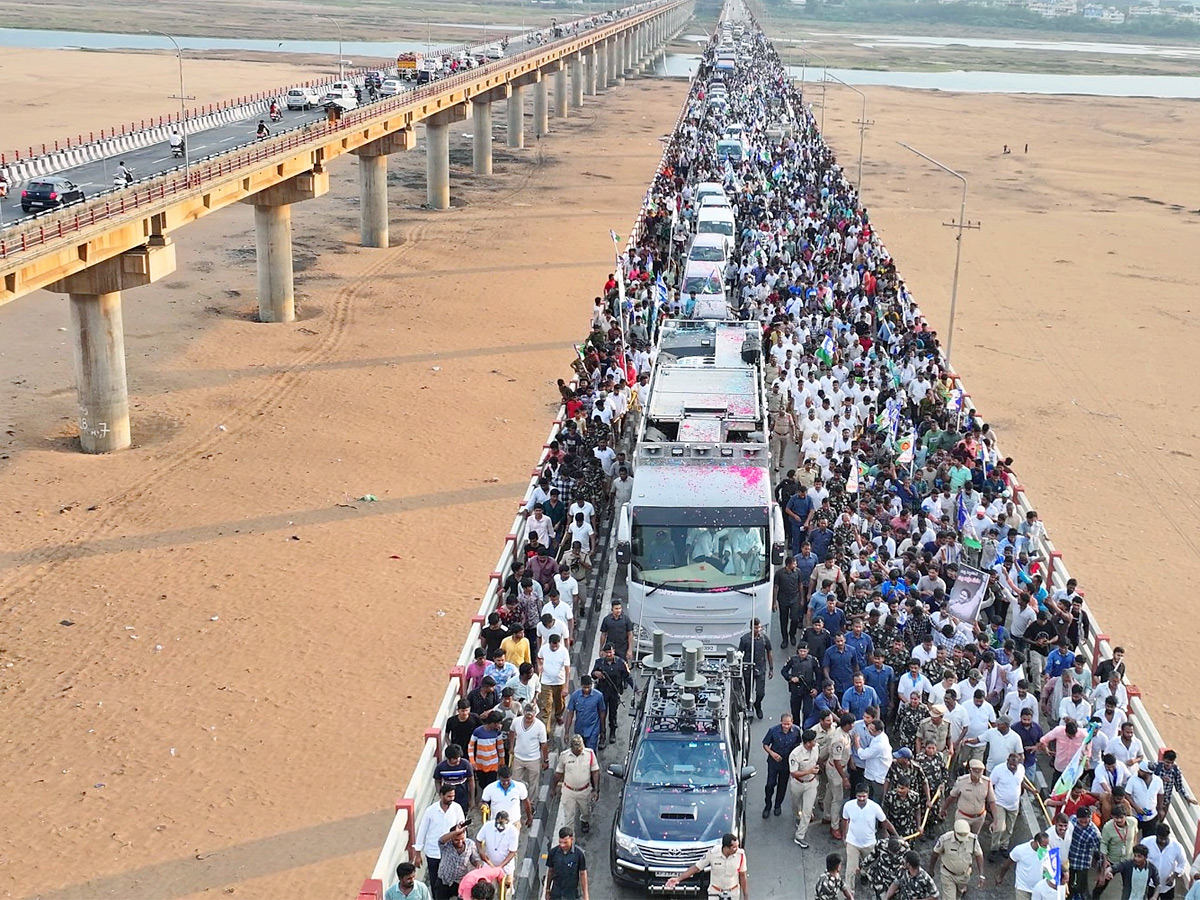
[(684, 774), (50, 192)]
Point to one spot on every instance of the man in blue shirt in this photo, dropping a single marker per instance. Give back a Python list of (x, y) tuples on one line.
[(806, 561), (880, 676), (799, 510), (821, 538), (859, 697), (840, 663), (585, 712), (860, 642), (834, 618), (1058, 660), (779, 743)]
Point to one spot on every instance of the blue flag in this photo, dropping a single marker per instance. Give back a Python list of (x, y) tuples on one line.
[(962, 510)]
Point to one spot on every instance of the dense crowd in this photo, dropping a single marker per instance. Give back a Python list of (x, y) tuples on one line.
[(909, 714)]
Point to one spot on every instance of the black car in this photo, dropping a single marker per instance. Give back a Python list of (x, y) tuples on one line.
[(50, 192), (684, 778)]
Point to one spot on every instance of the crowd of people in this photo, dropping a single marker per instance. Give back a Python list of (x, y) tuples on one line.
[(907, 717)]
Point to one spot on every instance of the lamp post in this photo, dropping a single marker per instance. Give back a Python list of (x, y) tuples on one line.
[(824, 79), (183, 97), (862, 127), (960, 225), (341, 59)]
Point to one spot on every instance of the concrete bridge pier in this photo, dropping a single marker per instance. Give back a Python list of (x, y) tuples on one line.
[(577, 81), (600, 69), (541, 108), (98, 344), (437, 155), (515, 110), (481, 133), (589, 72), (562, 97), (622, 58), (273, 241), (372, 184)]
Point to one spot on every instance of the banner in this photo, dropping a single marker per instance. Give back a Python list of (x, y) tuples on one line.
[(966, 597), (1075, 768), (907, 448)]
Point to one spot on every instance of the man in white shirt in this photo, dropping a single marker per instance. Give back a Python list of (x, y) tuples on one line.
[(568, 590), (554, 669), (1074, 707), (980, 717), (1001, 741), (530, 749), (508, 795), (1008, 780), (1127, 749), (1019, 700), (558, 607), (860, 818), (440, 822), (876, 756), (581, 530), (498, 840), (1168, 857), (913, 682)]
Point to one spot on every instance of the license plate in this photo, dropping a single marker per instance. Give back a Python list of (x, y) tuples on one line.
[(664, 873)]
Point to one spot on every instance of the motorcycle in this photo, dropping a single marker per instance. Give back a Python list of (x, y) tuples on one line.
[(123, 179), (276, 115), (177, 151)]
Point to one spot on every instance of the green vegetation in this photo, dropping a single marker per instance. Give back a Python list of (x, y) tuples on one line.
[(972, 16)]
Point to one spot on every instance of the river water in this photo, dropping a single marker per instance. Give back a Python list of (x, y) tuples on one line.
[(683, 65), (1164, 86)]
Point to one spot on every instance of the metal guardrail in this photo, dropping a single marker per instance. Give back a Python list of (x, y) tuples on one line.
[(22, 239)]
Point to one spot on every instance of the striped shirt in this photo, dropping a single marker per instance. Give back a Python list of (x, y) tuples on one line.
[(484, 750)]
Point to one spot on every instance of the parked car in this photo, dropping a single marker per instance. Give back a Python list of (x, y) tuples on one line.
[(302, 98), (50, 192)]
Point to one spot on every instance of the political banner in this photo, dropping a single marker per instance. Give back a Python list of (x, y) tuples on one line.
[(966, 597)]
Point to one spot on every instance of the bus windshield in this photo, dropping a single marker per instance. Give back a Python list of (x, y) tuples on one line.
[(713, 549)]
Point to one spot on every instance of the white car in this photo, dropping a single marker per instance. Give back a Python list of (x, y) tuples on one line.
[(302, 98), (390, 87)]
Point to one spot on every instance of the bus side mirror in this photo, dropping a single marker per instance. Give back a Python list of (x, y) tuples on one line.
[(778, 554), (624, 551)]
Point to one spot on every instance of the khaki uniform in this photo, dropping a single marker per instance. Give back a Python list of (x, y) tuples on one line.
[(803, 791), (724, 872), (823, 740), (973, 800), (839, 751), (576, 772), (938, 735), (958, 859)]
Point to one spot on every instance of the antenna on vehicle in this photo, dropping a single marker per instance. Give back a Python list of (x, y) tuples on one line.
[(690, 677), (658, 659)]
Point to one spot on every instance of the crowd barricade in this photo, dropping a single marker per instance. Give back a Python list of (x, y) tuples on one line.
[(420, 791), (1183, 817)]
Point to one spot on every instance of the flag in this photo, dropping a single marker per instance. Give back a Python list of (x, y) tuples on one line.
[(907, 449), (826, 350), (1075, 768), (852, 478), (615, 237), (962, 510)]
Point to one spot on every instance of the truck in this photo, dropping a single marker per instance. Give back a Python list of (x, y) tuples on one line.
[(685, 772), (408, 65), (702, 533)]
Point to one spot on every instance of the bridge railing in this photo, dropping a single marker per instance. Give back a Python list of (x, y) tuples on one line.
[(70, 221)]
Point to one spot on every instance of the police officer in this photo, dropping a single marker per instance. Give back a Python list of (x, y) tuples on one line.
[(612, 675), (779, 742), (959, 850)]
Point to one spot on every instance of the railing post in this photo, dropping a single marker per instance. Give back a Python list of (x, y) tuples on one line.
[(372, 889), (1100, 638), (460, 673), (407, 804), (436, 734)]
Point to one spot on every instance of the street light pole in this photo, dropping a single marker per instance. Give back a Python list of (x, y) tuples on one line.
[(183, 98), (341, 57), (862, 127), (960, 224)]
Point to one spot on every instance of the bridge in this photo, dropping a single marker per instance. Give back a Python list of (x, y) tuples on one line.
[(95, 250)]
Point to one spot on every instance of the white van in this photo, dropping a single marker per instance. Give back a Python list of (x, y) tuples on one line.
[(717, 220), (706, 281), (708, 248), (707, 189)]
